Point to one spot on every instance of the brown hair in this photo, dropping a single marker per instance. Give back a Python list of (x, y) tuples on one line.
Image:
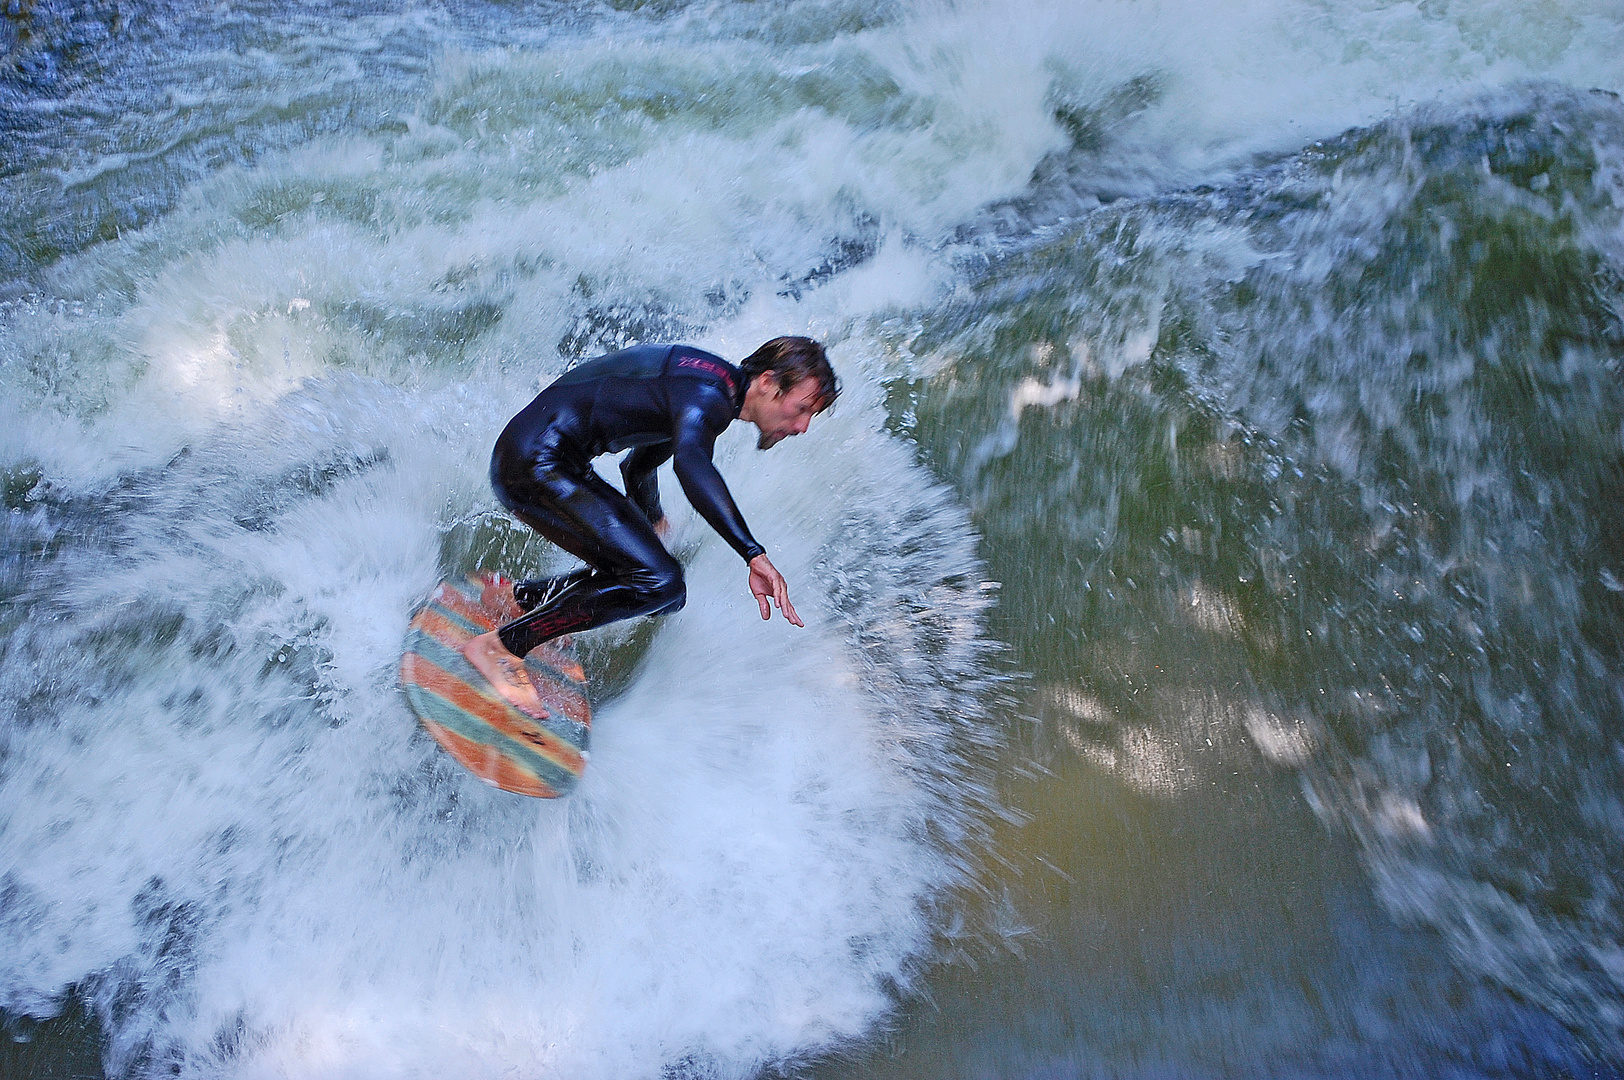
[(792, 359)]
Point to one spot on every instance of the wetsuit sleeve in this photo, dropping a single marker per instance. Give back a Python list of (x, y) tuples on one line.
[(637, 472), (692, 442)]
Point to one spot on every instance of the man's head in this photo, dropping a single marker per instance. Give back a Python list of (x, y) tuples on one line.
[(787, 382)]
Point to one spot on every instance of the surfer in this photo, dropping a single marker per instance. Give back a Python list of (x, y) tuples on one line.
[(662, 402)]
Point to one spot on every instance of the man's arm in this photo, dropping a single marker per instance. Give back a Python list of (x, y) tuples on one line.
[(642, 487), (692, 442)]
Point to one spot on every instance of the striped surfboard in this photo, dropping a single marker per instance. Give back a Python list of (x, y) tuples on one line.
[(496, 742)]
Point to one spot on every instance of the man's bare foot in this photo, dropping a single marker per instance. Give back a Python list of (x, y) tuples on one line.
[(506, 674)]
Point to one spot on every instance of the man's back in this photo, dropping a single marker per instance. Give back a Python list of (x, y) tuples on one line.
[(636, 397)]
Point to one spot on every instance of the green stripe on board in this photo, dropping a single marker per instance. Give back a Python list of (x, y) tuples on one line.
[(577, 735), (442, 656), (547, 671)]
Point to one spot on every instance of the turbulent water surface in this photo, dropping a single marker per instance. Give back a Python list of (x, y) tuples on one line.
[(1215, 594)]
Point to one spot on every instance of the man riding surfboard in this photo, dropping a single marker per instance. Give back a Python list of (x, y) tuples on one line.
[(661, 402)]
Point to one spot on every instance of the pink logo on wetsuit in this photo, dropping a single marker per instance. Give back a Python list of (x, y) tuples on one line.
[(711, 367)]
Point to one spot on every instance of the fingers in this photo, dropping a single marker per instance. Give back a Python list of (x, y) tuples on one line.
[(781, 594), (766, 612)]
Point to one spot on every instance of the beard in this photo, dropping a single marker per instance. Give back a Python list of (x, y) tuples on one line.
[(765, 441)]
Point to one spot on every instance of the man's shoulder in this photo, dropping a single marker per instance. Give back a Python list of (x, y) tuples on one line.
[(687, 361)]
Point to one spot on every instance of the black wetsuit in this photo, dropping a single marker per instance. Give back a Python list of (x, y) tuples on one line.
[(662, 402)]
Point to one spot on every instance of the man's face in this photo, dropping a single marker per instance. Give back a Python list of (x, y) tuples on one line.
[(783, 413)]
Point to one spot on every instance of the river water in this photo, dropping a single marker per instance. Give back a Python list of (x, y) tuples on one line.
[(1214, 588)]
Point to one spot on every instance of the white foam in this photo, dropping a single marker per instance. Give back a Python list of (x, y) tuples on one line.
[(738, 877)]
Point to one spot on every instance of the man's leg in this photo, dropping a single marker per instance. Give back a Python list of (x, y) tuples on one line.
[(629, 572), (544, 592)]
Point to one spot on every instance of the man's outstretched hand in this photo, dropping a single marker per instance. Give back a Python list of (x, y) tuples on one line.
[(767, 583)]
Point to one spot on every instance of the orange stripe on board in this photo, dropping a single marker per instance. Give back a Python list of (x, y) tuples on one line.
[(498, 714), (454, 601), (488, 764)]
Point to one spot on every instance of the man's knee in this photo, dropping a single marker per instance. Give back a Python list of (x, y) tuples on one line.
[(661, 588), (675, 605), (671, 592)]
